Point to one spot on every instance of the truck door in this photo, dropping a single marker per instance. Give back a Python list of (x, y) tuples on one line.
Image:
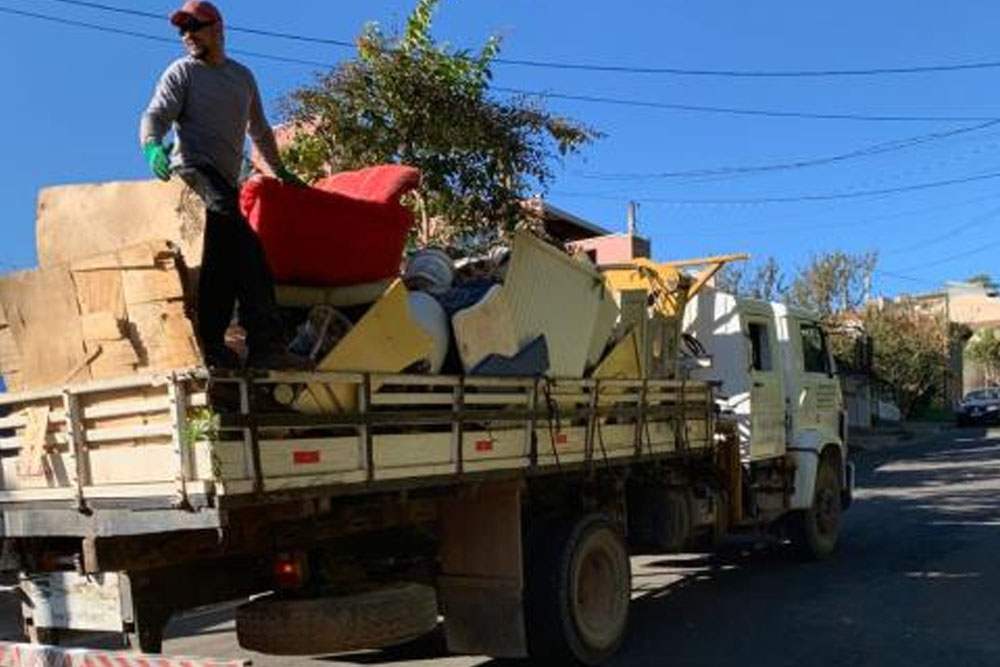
[(819, 403), (767, 403)]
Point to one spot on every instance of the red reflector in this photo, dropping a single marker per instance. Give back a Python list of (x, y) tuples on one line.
[(484, 445), (561, 439), (305, 457)]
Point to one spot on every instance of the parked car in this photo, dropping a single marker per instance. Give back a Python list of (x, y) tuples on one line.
[(979, 406)]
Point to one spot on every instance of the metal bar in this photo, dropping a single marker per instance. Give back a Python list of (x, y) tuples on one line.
[(182, 448), (364, 405), (458, 430), (532, 424), (251, 446), (77, 447)]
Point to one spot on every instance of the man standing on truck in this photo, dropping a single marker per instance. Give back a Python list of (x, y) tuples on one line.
[(212, 102)]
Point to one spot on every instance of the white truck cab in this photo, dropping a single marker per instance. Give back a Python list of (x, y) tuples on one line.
[(777, 382)]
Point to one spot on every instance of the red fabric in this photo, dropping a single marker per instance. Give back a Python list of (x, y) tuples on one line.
[(349, 228)]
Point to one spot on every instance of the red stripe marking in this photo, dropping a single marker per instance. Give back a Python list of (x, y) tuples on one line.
[(562, 438), (300, 458), (484, 445), (123, 661), (104, 660)]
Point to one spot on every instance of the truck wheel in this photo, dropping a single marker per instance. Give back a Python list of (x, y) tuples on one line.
[(311, 626), (578, 587), (814, 531)]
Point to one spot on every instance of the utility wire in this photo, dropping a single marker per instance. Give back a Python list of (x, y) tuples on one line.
[(947, 235), (153, 38), (875, 149), (620, 69), (952, 258), (252, 31), (769, 113), (794, 199)]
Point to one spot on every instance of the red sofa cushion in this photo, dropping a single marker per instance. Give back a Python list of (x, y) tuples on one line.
[(349, 228)]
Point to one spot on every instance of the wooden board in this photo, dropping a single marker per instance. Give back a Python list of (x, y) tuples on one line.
[(79, 221), (44, 318), (386, 339)]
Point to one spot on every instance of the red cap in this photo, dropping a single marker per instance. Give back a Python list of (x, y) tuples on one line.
[(201, 10)]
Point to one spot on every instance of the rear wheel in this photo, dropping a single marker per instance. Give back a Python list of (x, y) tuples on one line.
[(578, 590), (815, 530), (310, 626)]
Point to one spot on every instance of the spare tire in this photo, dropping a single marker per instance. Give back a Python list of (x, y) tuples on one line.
[(311, 626)]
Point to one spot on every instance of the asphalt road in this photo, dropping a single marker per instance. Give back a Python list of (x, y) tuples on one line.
[(914, 582)]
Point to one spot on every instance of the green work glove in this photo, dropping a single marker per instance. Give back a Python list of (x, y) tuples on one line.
[(288, 178), (156, 157)]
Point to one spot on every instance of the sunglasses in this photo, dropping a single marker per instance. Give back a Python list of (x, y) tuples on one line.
[(192, 26)]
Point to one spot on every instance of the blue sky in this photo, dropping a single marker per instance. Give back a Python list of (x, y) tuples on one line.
[(72, 98)]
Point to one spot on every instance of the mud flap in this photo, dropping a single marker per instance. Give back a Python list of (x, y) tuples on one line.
[(481, 584)]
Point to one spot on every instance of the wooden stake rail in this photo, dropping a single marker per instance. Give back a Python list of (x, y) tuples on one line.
[(158, 437)]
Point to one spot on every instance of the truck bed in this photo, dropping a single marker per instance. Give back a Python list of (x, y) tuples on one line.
[(176, 451)]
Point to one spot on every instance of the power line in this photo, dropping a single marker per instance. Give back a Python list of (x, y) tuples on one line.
[(153, 38), (952, 258), (795, 199), (945, 236), (619, 69), (252, 31), (769, 113), (876, 149)]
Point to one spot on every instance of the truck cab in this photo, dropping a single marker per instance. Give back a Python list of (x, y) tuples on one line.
[(779, 390)]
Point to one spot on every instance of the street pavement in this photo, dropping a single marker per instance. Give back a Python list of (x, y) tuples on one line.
[(915, 582)]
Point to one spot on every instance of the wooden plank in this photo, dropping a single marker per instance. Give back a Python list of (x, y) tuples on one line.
[(116, 358), (44, 318), (309, 456), (79, 221), (100, 326), (401, 451), (98, 284), (30, 461)]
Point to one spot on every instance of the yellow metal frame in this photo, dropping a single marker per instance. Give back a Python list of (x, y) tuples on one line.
[(669, 285)]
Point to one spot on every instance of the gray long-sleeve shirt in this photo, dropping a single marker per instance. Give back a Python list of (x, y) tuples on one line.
[(212, 109)]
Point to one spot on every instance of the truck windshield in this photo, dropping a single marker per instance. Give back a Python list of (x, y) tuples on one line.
[(814, 356)]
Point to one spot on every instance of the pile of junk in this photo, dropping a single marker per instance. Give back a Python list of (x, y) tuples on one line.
[(354, 298)]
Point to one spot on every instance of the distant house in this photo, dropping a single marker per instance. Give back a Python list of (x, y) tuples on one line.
[(975, 306)]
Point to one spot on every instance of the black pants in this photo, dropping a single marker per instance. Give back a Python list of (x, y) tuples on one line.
[(233, 269)]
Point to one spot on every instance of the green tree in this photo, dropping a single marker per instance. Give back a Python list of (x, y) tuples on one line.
[(984, 348), (834, 282), (764, 281), (910, 352), (406, 99)]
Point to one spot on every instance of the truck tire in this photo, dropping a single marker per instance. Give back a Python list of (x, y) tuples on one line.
[(814, 531), (578, 587), (311, 626)]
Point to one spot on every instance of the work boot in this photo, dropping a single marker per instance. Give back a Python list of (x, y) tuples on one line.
[(278, 359), (223, 358)]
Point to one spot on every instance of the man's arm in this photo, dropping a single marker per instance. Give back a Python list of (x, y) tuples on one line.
[(262, 136), (163, 110), (164, 107)]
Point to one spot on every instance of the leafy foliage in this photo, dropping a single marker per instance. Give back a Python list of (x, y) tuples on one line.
[(406, 99), (911, 351), (834, 282), (984, 348), (761, 281)]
